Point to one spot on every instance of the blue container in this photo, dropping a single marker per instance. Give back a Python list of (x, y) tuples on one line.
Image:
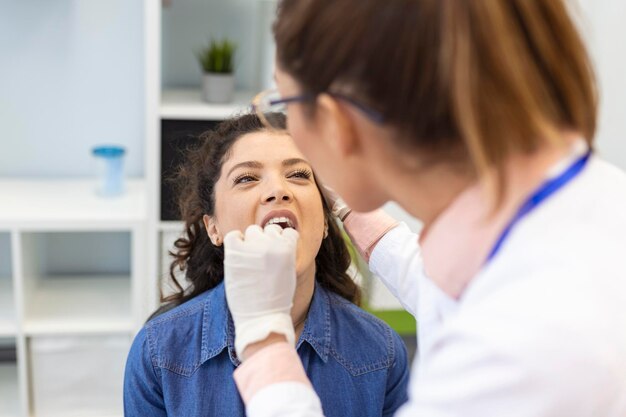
[(110, 170)]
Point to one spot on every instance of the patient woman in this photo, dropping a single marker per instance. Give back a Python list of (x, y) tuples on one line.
[(181, 363)]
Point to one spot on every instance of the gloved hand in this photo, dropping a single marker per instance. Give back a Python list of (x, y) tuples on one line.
[(339, 207), (260, 282), (364, 229)]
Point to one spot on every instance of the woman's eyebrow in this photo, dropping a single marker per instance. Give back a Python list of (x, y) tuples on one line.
[(294, 161), (246, 164)]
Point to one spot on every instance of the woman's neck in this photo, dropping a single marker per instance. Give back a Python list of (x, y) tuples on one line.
[(305, 287), (435, 188), (462, 236)]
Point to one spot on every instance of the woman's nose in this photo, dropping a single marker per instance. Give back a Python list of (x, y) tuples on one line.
[(278, 193)]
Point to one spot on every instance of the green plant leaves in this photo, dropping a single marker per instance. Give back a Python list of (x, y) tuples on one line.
[(218, 57)]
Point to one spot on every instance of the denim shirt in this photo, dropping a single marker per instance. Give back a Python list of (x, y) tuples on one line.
[(181, 363)]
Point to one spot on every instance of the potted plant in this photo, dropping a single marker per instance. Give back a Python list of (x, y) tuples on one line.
[(218, 81)]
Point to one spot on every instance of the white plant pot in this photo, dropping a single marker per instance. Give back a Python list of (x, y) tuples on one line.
[(218, 88)]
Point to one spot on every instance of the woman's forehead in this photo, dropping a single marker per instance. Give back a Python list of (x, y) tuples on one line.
[(264, 147)]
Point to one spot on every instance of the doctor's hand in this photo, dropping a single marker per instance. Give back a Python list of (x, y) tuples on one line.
[(339, 207), (364, 229), (260, 282)]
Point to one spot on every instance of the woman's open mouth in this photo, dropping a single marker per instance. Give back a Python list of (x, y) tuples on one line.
[(283, 218), (281, 221)]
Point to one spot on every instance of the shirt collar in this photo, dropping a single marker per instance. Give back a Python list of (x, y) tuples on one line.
[(317, 329), (218, 330)]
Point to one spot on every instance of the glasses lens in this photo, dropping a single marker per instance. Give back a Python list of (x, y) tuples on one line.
[(266, 105)]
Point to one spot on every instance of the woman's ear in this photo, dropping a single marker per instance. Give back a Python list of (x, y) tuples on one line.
[(212, 230), (338, 125)]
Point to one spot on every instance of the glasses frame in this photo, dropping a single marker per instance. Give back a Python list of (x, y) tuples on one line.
[(372, 114)]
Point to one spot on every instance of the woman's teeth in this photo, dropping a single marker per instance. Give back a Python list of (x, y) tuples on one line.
[(283, 222)]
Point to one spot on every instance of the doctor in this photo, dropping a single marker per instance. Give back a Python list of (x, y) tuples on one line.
[(477, 117)]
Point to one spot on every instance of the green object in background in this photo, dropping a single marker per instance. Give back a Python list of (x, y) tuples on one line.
[(218, 57), (399, 320)]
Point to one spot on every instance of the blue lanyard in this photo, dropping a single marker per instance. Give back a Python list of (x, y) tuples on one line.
[(543, 192)]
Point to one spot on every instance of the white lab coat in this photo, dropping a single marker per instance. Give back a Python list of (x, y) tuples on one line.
[(540, 331)]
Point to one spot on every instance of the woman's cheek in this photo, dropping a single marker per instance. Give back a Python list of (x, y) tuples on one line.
[(307, 251)]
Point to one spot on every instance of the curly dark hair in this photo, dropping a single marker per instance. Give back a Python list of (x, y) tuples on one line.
[(195, 255)]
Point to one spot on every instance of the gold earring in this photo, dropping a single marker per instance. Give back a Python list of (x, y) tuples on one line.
[(218, 241)]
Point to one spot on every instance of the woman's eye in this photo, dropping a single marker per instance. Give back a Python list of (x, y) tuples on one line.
[(301, 174), (245, 178)]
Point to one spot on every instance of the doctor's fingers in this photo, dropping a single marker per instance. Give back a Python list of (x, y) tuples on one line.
[(254, 233), (276, 232), (290, 236), (233, 239), (279, 236)]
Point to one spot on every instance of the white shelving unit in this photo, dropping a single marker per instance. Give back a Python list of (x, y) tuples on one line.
[(180, 105), (9, 400), (187, 104), (80, 274), (171, 226), (72, 285), (8, 324), (168, 102), (60, 366), (62, 276), (69, 204)]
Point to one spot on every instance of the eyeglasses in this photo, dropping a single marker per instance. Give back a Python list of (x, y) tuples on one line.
[(270, 101)]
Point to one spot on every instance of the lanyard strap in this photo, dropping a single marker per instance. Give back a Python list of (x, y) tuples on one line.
[(547, 189)]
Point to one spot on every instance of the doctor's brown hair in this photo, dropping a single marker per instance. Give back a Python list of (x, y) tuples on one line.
[(482, 79), (195, 255)]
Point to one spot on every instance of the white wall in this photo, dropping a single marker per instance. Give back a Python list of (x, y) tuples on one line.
[(71, 73), (604, 25), (71, 76)]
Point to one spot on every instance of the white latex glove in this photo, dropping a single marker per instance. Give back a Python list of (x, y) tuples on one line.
[(260, 282), (339, 207)]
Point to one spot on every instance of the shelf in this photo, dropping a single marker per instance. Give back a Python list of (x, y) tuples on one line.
[(71, 204), (9, 398), (167, 244), (172, 226), (79, 305), (8, 325), (187, 104), (77, 375)]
